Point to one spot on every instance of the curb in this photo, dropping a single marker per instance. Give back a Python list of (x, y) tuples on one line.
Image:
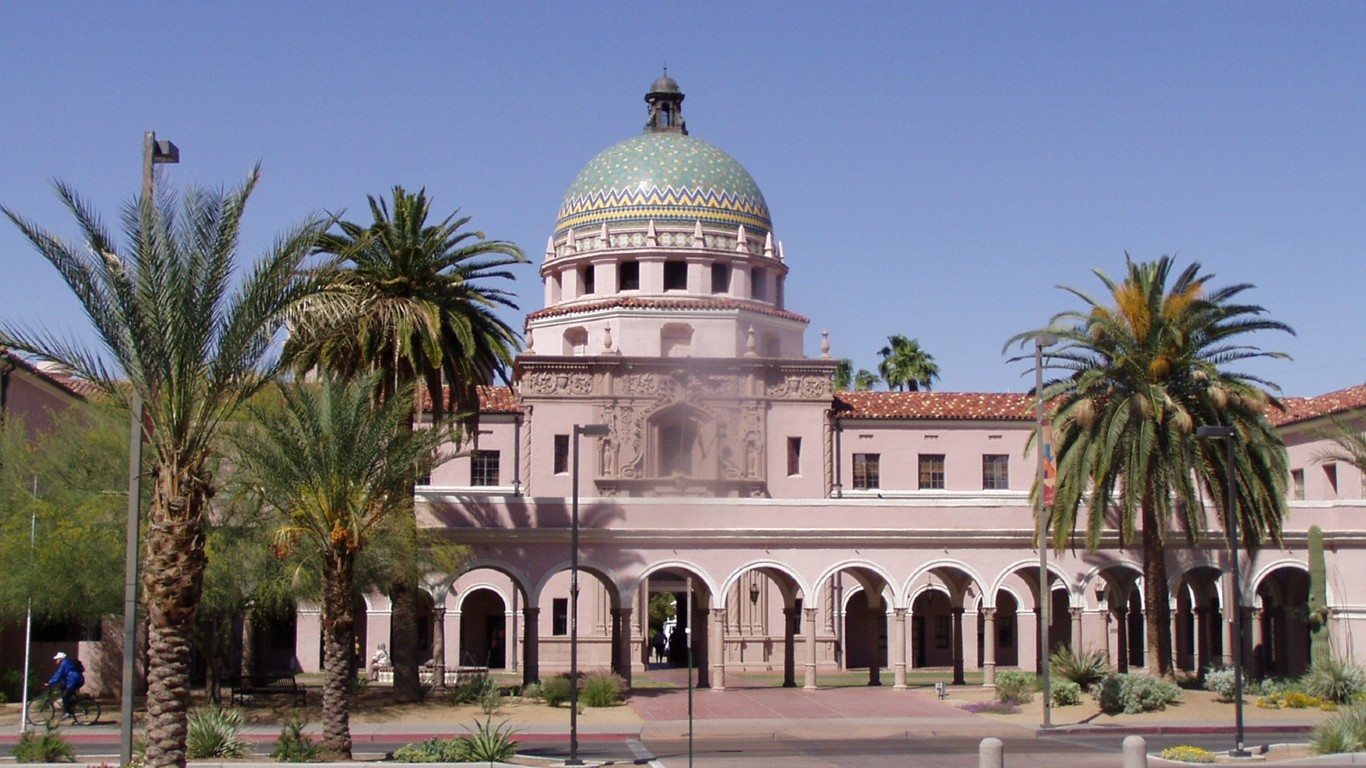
[(1166, 730)]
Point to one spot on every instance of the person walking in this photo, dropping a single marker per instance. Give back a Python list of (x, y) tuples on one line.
[(70, 675)]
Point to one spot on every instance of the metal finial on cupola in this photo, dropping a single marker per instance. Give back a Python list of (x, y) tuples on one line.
[(666, 107)]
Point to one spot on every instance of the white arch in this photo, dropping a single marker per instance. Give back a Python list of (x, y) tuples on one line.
[(848, 595), (1265, 571), (590, 565), (1032, 566), (518, 576), (665, 565), (851, 563), (719, 597), (462, 594), (944, 562)]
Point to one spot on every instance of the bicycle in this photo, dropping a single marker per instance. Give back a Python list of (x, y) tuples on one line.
[(47, 710)]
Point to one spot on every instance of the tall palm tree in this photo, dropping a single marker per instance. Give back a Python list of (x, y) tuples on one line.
[(905, 366), (1142, 370), (846, 378), (335, 467), (411, 301), (192, 342)]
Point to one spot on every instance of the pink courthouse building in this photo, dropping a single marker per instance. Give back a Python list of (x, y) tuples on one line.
[(799, 530)]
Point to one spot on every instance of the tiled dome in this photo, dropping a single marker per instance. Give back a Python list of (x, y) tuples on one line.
[(664, 176)]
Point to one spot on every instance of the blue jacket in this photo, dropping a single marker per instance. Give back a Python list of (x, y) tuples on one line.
[(67, 675)]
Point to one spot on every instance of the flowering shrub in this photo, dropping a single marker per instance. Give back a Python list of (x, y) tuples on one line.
[(992, 707), (1132, 694), (1188, 754)]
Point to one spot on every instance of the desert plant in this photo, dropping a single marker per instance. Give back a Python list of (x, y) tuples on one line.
[(489, 744), (48, 747), (603, 689), (295, 746), (1065, 693), (491, 700), (1343, 732), (473, 691), (532, 691), (215, 733), (1016, 685), (1335, 680), (1132, 694), (555, 690), (1082, 668), (1187, 754), (1220, 681)]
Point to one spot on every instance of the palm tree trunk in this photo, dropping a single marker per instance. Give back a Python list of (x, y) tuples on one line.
[(338, 631), (1156, 597), (403, 641), (174, 581)]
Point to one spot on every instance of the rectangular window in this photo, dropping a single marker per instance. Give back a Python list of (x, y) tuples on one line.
[(675, 449), (720, 278), (931, 471), (590, 283), (628, 276), (1297, 484), (794, 456), (675, 276), (484, 468), (757, 287), (995, 471), (867, 472), (559, 616), (561, 454), (1330, 473)]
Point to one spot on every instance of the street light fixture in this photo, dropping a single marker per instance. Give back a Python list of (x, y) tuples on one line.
[(154, 153), (590, 430), (1229, 435), (1045, 594)]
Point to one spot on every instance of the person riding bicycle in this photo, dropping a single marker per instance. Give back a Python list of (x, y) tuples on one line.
[(70, 675)]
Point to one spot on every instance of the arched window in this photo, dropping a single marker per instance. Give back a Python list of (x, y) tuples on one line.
[(678, 437)]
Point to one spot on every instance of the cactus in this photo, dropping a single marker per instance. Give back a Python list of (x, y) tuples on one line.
[(1319, 648)]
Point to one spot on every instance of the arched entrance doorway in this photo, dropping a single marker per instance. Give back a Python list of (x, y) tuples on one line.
[(483, 630)]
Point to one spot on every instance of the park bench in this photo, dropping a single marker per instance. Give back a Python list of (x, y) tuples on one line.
[(248, 688)]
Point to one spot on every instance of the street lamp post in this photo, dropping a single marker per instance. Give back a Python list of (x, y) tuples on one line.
[(154, 153), (1227, 434), (591, 430), (1045, 594)]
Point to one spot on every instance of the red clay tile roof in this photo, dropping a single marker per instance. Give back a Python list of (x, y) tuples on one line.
[(639, 303), (933, 405), (491, 400), (74, 386), (1299, 409)]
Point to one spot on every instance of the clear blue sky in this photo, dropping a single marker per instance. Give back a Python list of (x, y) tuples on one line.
[(933, 169)]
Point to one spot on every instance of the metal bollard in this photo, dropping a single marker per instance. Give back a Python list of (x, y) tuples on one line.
[(991, 753), (1135, 752)]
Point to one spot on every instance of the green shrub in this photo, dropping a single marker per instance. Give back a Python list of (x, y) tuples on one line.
[(1188, 754), (1334, 680), (474, 691), (1065, 693), (50, 747), (532, 691), (603, 689), (1132, 694), (1016, 685), (555, 690), (1343, 732), (487, 744), (433, 750), (1083, 669), (1272, 686), (215, 733), (295, 746)]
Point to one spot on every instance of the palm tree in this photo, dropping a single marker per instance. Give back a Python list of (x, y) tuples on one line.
[(335, 467), (410, 300), (1140, 374), (192, 347), (1349, 445), (905, 366), (847, 379)]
